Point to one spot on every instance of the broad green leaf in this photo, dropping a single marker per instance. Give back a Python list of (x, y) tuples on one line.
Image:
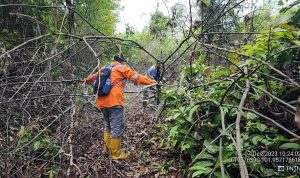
[(191, 112), (297, 42), (292, 146), (250, 116), (249, 50), (203, 163), (285, 58), (261, 127), (201, 171), (198, 173), (295, 20), (280, 138), (219, 175), (197, 168), (256, 139), (212, 148), (174, 131), (266, 142), (176, 115), (218, 74), (204, 155), (284, 19)]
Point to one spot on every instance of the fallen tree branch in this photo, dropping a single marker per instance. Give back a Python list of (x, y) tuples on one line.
[(242, 164), (267, 118), (274, 97), (261, 61), (26, 42), (70, 143)]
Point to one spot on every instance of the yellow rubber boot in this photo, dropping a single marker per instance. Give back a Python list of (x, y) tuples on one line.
[(106, 138), (115, 146)]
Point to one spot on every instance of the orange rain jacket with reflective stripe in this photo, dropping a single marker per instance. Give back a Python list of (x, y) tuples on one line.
[(118, 74)]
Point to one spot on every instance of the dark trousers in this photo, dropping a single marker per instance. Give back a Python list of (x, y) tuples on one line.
[(114, 121)]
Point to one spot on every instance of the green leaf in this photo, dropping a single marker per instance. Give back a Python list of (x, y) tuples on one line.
[(207, 2), (219, 175), (284, 19), (280, 138), (192, 111), (204, 155), (249, 50), (297, 42), (261, 127), (24, 139), (200, 170), (175, 116), (51, 174), (295, 20), (218, 74), (198, 173), (212, 148), (203, 163), (196, 168), (293, 146), (174, 131), (285, 58), (250, 116), (184, 146), (256, 139), (36, 145)]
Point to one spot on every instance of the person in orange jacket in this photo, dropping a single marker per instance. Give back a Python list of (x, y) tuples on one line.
[(112, 105)]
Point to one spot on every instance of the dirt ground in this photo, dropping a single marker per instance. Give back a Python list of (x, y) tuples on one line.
[(141, 139)]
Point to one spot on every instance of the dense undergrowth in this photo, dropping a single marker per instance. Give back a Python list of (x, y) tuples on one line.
[(202, 118)]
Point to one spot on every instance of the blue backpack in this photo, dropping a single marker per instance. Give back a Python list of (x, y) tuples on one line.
[(104, 86)]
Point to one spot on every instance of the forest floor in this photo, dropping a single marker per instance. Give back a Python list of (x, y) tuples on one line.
[(141, 139)]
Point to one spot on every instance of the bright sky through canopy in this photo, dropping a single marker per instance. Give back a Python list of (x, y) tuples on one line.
[(137, 12)]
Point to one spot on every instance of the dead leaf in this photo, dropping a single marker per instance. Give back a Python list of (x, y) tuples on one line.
[(21, 131)]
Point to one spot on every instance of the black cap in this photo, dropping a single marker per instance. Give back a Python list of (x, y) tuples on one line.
[(119, 58)]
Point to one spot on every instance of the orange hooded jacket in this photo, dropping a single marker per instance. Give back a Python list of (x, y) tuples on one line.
[(119, 74)]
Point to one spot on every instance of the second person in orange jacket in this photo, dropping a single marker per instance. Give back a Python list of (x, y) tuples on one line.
[(112, 105)]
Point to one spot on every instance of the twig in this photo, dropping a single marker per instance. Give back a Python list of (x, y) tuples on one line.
[(274, 97), (213, 141), (256, 59), (70, 143), (267, 118), (242, 164), (28, 41), (221, 157), (30, 17), (40, 133)]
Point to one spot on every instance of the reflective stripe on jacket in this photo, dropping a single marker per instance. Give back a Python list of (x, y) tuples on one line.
[(116, 95)]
